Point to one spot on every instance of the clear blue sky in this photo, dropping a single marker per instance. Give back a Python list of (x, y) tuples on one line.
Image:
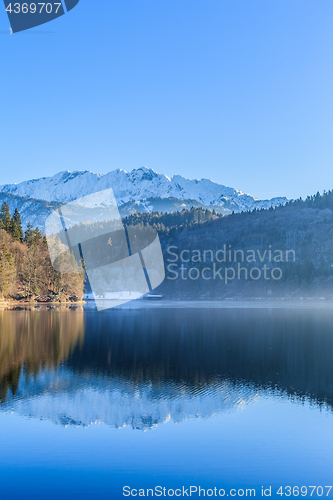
[(239, 91)]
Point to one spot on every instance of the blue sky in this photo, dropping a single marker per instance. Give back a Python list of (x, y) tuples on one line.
[(239, 91)]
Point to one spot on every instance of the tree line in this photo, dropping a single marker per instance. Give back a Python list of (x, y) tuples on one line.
[(304, 226), (26, 272)]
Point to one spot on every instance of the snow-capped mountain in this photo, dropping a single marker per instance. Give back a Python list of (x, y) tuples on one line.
[(141, 190)]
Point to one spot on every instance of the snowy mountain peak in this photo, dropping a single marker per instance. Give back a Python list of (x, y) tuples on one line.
[(142, 187)]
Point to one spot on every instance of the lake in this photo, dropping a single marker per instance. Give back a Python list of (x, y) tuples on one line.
[(235, 399)]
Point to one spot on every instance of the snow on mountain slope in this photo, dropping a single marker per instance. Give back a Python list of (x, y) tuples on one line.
[(138, 185), (31, 210)]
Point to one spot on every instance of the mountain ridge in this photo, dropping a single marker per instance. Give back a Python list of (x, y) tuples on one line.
[(138, 185)]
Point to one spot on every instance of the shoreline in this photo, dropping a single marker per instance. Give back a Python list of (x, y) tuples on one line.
[(89, 304), (5, 304)]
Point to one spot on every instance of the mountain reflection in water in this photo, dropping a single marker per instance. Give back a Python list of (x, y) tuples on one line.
[(146, 366)]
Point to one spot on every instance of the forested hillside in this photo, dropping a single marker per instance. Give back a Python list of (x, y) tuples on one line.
[(281, 252), (25, 268), (296, 238)]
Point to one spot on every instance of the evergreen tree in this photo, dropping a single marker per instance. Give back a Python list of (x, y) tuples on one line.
[(5, 219), (14, 230), (29, 234), (16, 226)]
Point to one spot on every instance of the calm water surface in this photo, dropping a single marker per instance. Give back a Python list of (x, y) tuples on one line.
[(225, 398)]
